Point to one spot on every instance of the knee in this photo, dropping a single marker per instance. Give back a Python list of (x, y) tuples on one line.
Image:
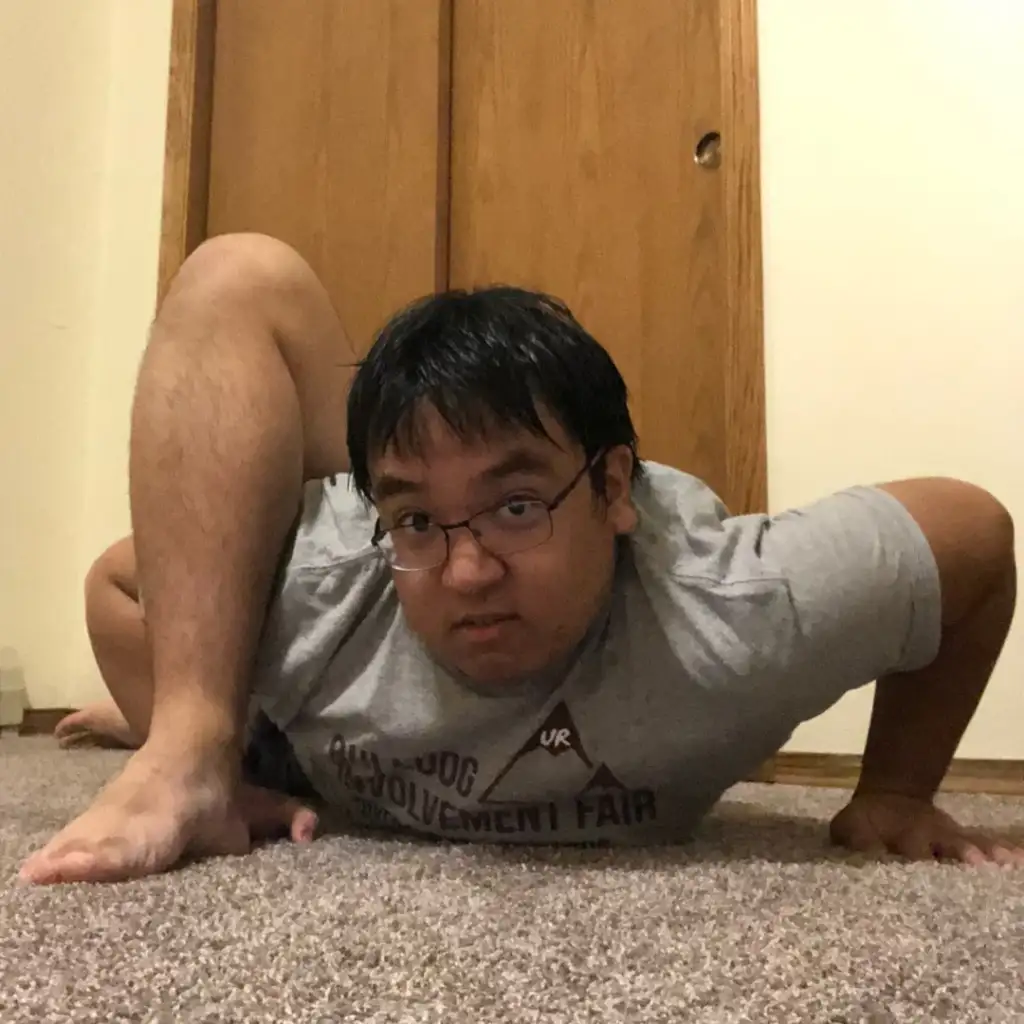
[(244, 271), (111, 576)]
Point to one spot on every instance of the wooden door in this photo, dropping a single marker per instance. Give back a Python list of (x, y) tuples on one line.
[(330, 132), (405, 145), (575, 127)]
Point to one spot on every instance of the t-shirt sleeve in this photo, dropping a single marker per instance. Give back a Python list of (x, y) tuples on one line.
[(331, 590), (864, 592)]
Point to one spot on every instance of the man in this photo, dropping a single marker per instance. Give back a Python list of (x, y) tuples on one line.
[(482, 617)]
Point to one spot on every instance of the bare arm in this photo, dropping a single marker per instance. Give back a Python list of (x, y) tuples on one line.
[(919, 718)]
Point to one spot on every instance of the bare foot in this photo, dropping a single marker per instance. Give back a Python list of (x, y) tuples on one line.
[(154, 812), (96, 725), (141, 824)]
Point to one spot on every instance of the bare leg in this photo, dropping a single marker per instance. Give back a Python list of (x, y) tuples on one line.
[(117, 632), (117, 629), (96, 725), (241, 396)]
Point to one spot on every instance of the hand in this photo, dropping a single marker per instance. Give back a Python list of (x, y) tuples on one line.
[(879, 823), (268, 814)]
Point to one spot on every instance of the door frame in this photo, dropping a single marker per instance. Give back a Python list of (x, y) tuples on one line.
[(187, 135), (187, 176)]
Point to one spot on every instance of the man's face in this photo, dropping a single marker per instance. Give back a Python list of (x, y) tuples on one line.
[(498, 618)]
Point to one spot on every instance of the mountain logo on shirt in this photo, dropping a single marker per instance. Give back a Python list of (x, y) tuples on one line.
[(550, 785), (604, 779), (553, 758)]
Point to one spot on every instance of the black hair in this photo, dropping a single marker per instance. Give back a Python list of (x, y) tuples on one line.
[(483, 360)]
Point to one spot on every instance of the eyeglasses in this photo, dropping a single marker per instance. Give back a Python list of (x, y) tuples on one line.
[(514, 525)]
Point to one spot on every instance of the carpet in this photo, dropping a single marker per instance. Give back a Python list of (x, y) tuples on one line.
[(757, 920)]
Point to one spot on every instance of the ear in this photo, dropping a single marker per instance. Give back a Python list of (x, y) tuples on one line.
[(618, 476)]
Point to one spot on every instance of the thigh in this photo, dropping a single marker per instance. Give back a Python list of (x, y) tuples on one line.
[(263, 287), (323, 362)]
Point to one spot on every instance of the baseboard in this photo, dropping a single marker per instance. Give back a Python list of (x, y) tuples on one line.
[(788, 768), (841, 771), (41, 721)]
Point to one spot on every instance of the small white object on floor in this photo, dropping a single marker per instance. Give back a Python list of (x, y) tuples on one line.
[(13, 697)]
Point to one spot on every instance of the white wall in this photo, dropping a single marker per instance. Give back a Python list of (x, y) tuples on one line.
[(82, 96), (893, 157), (893, 232)]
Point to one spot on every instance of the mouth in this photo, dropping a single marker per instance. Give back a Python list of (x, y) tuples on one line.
[(483, 627)]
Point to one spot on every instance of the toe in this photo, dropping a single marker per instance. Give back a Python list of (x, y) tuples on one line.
[(68, 725), (79, 865), (75, 862), (33, 870), (76, 738)]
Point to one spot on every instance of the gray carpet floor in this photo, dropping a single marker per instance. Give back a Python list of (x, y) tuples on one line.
[(756, 921)]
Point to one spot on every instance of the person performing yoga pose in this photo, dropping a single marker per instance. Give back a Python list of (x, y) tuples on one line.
[(439, 592)]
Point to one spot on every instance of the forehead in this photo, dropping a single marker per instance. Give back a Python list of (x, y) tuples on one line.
[(434, 449)]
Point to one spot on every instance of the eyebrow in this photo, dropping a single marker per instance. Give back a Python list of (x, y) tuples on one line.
[(520, 461)]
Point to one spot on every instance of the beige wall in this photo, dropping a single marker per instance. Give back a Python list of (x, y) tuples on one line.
[(82, 96), (894, 227), (893, 232)]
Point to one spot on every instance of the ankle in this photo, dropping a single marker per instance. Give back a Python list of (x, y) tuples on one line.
[(188, 767), (196, 732)]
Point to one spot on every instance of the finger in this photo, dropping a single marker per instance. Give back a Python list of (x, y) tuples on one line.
[(859, 837), (270, 814), (978, 848), (1007, 856), (304, 825), (961, 848)]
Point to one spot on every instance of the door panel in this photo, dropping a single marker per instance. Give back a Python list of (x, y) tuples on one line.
[(330, 123), (573, 171)]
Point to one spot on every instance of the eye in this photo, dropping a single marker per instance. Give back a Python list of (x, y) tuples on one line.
[(518, 510), (414, 522)]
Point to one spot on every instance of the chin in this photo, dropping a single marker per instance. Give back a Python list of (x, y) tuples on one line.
[(496, 667)]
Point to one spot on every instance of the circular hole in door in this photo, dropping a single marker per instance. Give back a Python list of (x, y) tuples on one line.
[(707, 152)]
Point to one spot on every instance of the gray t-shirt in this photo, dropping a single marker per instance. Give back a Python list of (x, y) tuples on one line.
[(722, 634)]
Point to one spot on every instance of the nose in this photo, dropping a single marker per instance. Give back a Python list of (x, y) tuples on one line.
[(470, 567)]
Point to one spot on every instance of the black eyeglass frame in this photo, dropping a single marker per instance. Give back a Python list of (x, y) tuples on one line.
[(379, 533)]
